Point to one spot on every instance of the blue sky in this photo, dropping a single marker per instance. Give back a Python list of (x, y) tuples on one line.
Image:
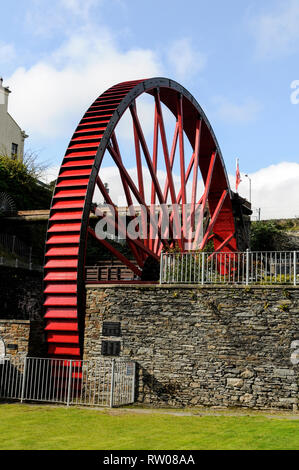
[(238, 58)]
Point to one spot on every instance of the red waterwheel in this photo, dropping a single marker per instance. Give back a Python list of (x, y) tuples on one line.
[(165, 173)]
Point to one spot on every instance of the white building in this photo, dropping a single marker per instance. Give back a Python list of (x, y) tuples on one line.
[(11, 135)]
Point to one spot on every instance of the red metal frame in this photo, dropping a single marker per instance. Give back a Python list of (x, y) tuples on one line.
[(94, 137)]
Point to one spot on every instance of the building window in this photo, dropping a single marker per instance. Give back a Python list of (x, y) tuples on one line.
[(14, 150), (111, 328), (110, 348)]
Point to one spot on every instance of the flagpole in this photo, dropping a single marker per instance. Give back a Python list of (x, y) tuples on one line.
[(249, 188)]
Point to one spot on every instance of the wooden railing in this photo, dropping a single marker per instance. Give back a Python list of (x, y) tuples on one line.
[(108, 271)]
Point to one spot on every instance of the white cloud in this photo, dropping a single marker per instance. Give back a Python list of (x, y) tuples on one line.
[(51, 93), (276, 32), (50, 96), (242, 113), (111, 176), (185, 60), (50, 174), (274, 190)]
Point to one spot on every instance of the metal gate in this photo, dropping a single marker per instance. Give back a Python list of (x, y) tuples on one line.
[(96, 382)]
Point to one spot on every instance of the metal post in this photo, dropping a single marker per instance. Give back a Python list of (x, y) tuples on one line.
[(13, 244), (249, 188), (295, 269), (69, 385), (202, 268), (247, 266), (161, 267), (133, 382), (112, 383), (24, 379)]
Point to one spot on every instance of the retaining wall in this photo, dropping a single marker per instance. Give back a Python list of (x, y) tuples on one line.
[(21, 294), (23, 338), (202, 346), (21, 319)]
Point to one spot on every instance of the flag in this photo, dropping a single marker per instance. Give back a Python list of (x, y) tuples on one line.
[(238, 176)]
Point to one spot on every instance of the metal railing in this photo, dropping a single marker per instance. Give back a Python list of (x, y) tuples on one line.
[(96, 382), (15, 246), (230, 268), (16, 263), (18, 254)]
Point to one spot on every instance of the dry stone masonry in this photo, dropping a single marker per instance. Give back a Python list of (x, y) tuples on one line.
[(202, 346)]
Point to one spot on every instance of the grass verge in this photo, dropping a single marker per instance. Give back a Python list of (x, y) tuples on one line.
[(31, 427)]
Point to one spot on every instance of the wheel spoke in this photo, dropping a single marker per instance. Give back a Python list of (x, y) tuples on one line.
[(135, 191), (182, 163), (115, 147), (225, 242), (166, 187), (124, 182), (205, 197), (140, 181), (121, 228), (188, 172), (155, 162), (138, 161), (150, 165), (209, 180), (213, 220), (168, 163), (116, 253), (195, 172)]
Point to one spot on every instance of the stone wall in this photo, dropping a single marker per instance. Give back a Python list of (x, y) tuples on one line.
[(203, 346), (23, 338), (15, 334), (21, 319), (20, 294)]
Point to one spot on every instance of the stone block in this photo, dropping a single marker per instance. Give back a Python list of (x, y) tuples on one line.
[(247, 374), (236, 383), (283, 372)]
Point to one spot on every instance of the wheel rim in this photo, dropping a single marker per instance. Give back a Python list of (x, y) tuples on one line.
[(93, 140)]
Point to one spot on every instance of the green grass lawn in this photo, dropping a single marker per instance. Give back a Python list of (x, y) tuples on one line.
[(27, 427)]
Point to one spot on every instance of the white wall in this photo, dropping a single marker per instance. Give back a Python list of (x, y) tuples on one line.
[(10, 132)]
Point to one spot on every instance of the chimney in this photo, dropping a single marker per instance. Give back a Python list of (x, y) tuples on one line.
[(4, 93)]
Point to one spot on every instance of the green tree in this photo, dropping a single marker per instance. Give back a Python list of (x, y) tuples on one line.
[(19, 180), (266, 236)]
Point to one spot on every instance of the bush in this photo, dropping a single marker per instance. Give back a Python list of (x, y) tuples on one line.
[(19, 180), (266, 236)]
